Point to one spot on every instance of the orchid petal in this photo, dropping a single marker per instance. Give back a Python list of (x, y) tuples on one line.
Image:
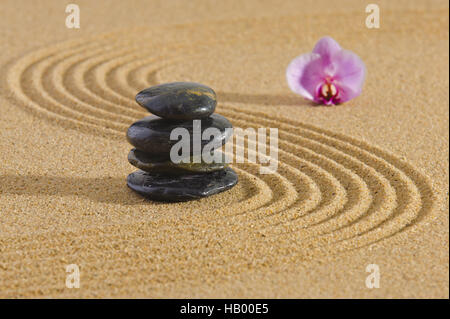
[(348, 92), (295, 72), (313, 77), (326, 47), (350, 71)]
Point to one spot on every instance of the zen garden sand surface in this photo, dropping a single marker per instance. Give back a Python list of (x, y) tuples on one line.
[(361, 183)]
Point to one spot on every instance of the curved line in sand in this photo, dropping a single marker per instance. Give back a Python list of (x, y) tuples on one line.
[(398, 175), (93, 67), (374, 194), (287, 196)]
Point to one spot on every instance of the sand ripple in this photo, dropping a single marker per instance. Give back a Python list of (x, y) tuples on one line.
[(331, 192)]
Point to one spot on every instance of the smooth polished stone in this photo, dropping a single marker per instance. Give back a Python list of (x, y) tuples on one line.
[(152, 134), (162, 187), (154, 164), (178, 100)]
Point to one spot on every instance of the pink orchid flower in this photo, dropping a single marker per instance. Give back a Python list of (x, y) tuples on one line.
[(328, 75)]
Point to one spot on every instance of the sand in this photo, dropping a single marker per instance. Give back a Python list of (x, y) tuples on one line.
[(357, 184)]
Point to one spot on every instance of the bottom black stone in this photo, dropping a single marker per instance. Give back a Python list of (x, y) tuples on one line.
[(169, 188)]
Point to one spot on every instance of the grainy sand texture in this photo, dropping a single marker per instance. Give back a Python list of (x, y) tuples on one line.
[(357, 184)]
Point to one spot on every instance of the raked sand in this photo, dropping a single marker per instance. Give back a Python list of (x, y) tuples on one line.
[(357, 184)]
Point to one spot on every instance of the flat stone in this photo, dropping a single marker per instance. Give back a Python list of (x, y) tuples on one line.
[(155, 164), (152, 134), (162, 187), (178, 100)]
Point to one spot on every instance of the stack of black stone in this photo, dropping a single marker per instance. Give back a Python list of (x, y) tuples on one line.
[(177, 105)]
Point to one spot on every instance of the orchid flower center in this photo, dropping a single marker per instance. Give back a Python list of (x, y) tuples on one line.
[(328, 91)]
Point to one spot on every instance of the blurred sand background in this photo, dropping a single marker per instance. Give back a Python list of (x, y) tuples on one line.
[(358, 184)]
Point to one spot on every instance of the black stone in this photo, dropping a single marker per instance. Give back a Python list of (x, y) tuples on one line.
[(152, 134), (178, 100), (171, 188), (155, 164)]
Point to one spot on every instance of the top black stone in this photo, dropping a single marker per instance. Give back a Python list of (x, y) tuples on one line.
[(178, 100)]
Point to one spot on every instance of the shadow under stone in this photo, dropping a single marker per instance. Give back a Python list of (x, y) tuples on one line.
[(100, 189)]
